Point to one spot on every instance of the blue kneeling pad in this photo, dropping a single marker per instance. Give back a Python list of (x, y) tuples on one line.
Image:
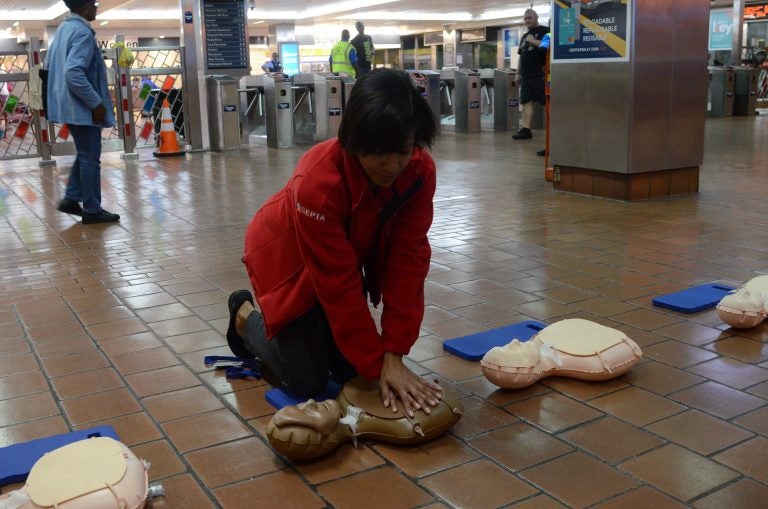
[(279, 398), (694, 299), (17, 460), (475, 346)]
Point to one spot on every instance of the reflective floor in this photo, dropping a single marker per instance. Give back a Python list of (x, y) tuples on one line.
[(108, 324)]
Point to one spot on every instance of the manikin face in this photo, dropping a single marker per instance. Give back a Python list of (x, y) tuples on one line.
[(383, 169), (321, 416), (530, 19)]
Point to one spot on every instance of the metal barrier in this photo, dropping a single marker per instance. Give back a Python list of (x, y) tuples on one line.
[(155, 75), (17, 132), (137, 93)]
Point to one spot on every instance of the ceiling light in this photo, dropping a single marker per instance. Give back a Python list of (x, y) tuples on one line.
[(411, 16), (103, 23), (162, 37), (15, 24), (258, 22)]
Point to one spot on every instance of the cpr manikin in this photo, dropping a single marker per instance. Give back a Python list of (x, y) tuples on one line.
[(574, 348), (97, 473), (746, 307), (312, 429)]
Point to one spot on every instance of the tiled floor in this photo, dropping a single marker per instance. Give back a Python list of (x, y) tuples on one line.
[(109, 325)]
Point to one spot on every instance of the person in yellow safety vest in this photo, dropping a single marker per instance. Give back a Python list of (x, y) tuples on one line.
[(343, 56)]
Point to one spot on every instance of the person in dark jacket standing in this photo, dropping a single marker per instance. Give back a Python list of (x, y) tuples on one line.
[(530, 71), (352, 221), (364, 47), (78, 96)]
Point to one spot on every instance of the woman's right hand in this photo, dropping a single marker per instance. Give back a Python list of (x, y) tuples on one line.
[(398, 381)]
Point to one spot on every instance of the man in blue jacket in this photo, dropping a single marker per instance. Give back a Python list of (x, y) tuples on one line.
[(78, 96)]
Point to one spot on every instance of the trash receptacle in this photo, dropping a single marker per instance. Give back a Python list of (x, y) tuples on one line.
[(223, 115)]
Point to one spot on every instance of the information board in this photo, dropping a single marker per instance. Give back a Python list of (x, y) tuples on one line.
[(226, 44), (756, 11), (591, 30)]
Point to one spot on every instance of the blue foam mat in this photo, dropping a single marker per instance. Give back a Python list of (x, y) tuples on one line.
[(17, 460), (694, 299), (475, 346), (279, 398)]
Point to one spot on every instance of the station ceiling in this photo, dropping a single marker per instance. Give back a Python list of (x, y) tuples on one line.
[(404, 16)]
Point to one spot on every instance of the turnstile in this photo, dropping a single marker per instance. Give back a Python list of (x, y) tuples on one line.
[(268, 110), (317, 106), (745, 91), (428, 83), (721, 91), (506, 100), (279, 101), (462, 94), (223, 116), (499, 100)]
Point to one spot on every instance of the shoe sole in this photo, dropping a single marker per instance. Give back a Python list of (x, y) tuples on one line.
[(234, 340)]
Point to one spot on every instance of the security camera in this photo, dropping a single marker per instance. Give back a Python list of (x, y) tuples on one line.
[(252, 4)]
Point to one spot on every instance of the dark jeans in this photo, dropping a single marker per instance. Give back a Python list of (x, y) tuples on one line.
[(85, 176), (303, 355)]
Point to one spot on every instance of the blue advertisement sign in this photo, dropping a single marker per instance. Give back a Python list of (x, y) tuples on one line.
[(289, 54), (720, 30), (511, 40), (591, 30)]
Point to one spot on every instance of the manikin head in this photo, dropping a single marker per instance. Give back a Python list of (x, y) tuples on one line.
[(322, 417), (530, 19), (516, 354)]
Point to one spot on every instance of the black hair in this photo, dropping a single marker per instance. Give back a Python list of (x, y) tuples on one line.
[(384, 108)]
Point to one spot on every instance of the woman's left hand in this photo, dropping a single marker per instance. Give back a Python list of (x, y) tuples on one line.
[(415, 392)]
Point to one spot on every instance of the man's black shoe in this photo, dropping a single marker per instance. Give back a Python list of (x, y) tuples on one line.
[(70, 207), (523, 134), (234, 340), (100, 217), (542, 152)]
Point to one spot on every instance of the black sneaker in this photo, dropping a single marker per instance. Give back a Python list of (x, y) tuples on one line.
[(100, 217), (542, 152), (234, 340), (70, 207), (523, 134)]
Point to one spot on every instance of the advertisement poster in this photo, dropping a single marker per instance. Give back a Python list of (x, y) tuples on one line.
[(289, 54), (720, 30), (511, 40), (591, 30)]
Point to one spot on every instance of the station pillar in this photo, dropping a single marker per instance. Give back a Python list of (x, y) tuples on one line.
[(629, 96)]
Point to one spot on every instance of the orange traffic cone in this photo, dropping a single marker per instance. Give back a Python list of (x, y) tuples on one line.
[(169, 145)]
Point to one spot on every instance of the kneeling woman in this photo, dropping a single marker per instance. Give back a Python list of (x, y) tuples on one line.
[(351, 223)]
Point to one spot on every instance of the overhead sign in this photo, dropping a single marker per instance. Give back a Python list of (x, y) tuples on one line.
[(756, 11), (591, 30), (720, 29), (226, 46)]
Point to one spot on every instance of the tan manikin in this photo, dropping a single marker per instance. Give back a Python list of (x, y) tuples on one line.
[(97, 473), (746, 307), (312, 429), (573, 348)]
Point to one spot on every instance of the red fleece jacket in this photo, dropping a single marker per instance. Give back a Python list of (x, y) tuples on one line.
[(309, 242)]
